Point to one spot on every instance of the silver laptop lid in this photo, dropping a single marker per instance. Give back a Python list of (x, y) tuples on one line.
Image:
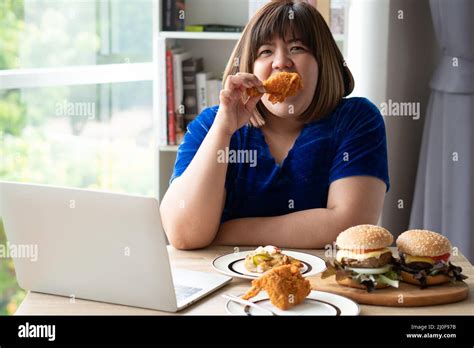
[(93, 245)]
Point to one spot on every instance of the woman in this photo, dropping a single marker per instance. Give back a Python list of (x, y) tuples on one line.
[(320, 161)]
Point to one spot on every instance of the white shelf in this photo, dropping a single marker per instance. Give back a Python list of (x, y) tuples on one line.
[(169, 148), (192, 35)]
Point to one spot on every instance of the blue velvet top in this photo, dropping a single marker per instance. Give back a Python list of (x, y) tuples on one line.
[(350, 141)]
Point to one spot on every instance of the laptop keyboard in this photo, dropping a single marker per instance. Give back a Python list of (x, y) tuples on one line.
[(183, 292)]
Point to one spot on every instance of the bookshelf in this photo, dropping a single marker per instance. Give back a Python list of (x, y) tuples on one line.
[(214, 47)]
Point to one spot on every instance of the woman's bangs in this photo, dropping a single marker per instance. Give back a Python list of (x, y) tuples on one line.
[(286, 22)]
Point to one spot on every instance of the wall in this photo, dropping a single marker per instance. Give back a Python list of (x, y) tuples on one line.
[(411, 59), (392, 58)]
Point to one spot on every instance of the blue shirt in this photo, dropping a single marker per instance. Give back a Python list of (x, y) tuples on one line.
[(350, 141)]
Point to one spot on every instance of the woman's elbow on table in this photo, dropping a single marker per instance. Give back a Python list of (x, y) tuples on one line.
[(184, 234), (187, 239)]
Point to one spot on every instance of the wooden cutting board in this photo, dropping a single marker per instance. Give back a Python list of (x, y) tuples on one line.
[(407, 295)]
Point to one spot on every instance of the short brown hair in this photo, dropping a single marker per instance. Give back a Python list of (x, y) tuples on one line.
[(303, 21)]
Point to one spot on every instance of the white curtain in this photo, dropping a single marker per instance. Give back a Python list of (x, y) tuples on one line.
[(444, 191)]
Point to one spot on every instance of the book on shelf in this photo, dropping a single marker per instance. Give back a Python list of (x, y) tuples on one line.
[(215, 28), (213, 87), (210, 91), (173, 15), (191, 67), (201, 79), (189, 90), (179, 56), (170, 114)]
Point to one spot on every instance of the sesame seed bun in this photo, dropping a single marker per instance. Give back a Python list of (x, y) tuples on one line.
[(355, 284), (430, 280), (362, 237), (423, 243)]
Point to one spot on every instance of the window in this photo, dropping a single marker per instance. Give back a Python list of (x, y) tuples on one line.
[(75, 90), (76, 100), (55, 33), (90, 136)]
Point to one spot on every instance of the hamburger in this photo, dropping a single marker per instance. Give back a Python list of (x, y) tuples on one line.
[(363, 259), (424, 259)]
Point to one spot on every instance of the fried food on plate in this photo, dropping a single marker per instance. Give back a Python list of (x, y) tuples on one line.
[(279, 87), (284, 285), (263, 259)]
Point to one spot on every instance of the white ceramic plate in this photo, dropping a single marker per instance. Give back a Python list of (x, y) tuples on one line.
[(317, 303), (233, 264)]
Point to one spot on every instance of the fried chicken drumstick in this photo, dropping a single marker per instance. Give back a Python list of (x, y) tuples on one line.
[(279, 87), (285, 286)]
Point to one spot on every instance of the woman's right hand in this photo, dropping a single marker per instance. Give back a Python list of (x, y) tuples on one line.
[(234, 111)]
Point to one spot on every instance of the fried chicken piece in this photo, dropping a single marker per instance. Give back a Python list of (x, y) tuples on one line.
[(285, 286), (279, 86)]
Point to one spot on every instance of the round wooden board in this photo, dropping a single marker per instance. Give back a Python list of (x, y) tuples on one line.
[(406, 295)]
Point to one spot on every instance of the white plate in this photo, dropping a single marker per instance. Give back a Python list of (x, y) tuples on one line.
[(233, 264), (317, 303)]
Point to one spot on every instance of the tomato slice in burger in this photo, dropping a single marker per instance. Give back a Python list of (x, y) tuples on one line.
[(444, 257)]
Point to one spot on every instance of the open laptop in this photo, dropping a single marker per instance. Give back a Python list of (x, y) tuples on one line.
[(95, 245)]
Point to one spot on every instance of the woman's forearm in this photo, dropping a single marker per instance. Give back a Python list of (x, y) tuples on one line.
[(306, 229), (191, 208)]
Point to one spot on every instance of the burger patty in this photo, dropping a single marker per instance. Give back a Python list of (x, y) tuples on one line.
[(371, 262), (419, 265)]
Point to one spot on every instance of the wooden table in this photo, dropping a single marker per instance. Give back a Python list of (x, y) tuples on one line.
[(200, 260)]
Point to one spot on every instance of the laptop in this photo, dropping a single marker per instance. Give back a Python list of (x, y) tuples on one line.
[(95, 245)]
